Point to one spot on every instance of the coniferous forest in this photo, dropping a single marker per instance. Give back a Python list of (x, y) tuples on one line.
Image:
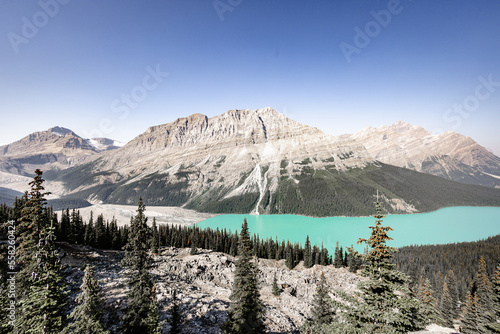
[(404, 290)]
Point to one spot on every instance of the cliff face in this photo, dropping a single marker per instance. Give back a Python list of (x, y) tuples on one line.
[(238, 153), (449, 155)]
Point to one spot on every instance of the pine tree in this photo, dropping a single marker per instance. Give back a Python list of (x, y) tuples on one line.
[(42, 308), (427, 300), (141, 314), (322, 312), (175, 316), (385, 303), (484, 294), (289, 258), (245, 314), (494, 326), (470, 317), (275, 289), (154, 238), (87, 316), (446, 306), (308, 260), (337, 256), (28, 228), (100, 232), (39, 281), (5, 326), (451, 280)]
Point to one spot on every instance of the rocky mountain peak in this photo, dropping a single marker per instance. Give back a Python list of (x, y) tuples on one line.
[(450, 155), (60, 131)]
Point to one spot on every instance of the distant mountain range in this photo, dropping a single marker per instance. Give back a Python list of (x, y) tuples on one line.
[(260, 161), (55, 148), (449, 155)]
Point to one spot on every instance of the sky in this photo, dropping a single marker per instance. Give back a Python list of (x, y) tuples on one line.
[(112, 68)]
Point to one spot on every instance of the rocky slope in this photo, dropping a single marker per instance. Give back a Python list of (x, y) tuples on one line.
[(56, 147), (449, 155), (203, 284), (204, 281)]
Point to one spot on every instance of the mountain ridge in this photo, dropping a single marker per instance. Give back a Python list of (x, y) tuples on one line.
[(257, 161), (449, 155)]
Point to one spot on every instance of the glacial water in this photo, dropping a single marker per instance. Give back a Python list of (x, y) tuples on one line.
[(447, 225)]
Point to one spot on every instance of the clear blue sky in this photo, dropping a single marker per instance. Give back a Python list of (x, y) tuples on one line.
[(74, 64)]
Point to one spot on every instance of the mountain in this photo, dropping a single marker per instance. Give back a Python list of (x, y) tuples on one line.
[(258, 161), (56, 147), (449, 155)]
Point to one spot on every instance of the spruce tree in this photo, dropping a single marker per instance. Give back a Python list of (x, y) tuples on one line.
[(141, 314), (322, 312), (494, 325), (470, 317), (40, 285), (275, 289), (451, 281), (446, 306), (175, 316), (155, 245), (245, 314), (384, 302), (427, 300), (28, 229), (308, 260), (484, 294), (5, 327), (289, 259), (87, 316)]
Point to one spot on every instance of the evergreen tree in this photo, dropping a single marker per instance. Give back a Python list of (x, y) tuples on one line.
[(245, 313), (484, 294), (308, 259), (100, 232), (385, 303), (494, 326), (289, 259), (275, 289), (141, 314), (354, 260), (5, 327), (470, 317), (89, 238), (322, 312), (175, 316), (337, 256), (155, 245), (42, 308), (40, 286), (446, 307), (29, 226), (451, 282), (427, 300), (87, 316)]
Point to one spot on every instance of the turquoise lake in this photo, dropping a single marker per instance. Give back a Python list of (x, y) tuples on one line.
[(447, 225)]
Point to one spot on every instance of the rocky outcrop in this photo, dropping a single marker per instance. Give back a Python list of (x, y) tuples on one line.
[(203, 284), (449, 155)]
